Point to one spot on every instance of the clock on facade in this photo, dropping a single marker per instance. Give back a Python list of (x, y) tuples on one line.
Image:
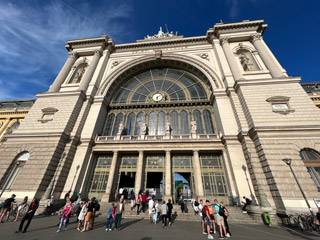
[(157, 97)]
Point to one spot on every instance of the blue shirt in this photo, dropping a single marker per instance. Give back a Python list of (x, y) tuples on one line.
[(217, 208)]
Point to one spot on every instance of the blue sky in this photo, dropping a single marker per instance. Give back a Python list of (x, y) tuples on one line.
[(33, 32)]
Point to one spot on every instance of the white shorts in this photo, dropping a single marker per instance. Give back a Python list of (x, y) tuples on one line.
[(150, 211)]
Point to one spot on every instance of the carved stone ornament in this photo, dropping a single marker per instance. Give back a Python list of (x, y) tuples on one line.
[(224, 40), (162, 34), (73, 55), (204, 56), (255, 37), (158, 54), (97, 53)]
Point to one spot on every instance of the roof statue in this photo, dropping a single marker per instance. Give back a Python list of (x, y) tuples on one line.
[(162, 34)]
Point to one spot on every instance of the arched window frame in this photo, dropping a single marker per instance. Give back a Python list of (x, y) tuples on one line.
[(312, 165), (252, 52), (16, 169), (79, 63)]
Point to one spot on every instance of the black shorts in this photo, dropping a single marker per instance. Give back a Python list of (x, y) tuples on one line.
[(212, 217)]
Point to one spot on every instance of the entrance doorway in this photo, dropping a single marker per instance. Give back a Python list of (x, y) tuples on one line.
[(154, 184), (127, 180), (182, 185)]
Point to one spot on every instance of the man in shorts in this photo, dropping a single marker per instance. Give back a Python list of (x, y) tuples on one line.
[(202, 216), (6, 207), (207, 218), (219, 219)]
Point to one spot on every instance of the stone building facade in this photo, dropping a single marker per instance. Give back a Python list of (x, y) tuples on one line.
[(12, 113), (210, 116), (313, 90)]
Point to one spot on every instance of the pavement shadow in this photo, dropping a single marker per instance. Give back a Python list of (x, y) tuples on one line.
[(146, 238), (306, 235), (127, 224)]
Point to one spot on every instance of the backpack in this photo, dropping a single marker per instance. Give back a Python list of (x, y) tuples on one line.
[(221, 210), (196, 203), (203, 211), (97, 207)]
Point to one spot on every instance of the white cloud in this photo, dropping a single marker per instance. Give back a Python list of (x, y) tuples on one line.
[(235, 6), (32, 37)]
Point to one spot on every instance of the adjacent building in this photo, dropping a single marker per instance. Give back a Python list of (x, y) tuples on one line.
[(210, 116)]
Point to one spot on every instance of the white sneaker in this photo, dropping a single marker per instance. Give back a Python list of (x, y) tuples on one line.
[(210, 236), (107, 229), (58, 231), (214, 231), (228, 235), (204, 233), (110, 229)]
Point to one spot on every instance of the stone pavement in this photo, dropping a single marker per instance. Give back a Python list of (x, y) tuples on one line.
[(140, 229)]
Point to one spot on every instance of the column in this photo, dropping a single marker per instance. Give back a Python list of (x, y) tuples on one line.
[(138, 180), (168, 176), (106, 197), (197, 174), (4, 126), (234, 66), (266, 57), (90, 71), (55, 87)]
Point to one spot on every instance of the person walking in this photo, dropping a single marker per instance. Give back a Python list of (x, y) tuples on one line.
[(82, 215), (206, 213), (169, 211), (138, 202), (29, 215), (110, 217), (65, 215), (219, 218), (181, 202), (150, 207), (119, 211), (21, 206), (87, 219), (163, 212), (155, 212), (132, 199), (225, 217), (144, 202), (6, 207)]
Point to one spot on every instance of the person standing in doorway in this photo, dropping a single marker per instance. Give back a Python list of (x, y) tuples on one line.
[(119, 211), (21, 206), (169, 212), (219, 218), (29, 215)]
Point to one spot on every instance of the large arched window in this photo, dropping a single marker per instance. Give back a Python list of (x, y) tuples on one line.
[(311, 159), (152, 123), (174, 122), (184, 122), (130, 124), (208, 121), (119, 119), (139, 121), (198, 119), (108, 125), (161, 123), (16, 170)]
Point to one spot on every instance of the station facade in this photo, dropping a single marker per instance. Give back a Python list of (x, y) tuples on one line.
[(207, 117)]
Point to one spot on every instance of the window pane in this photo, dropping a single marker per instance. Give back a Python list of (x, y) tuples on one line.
[(116, 125), (161, 123), (152, 123), (208, 121), (174, 123), (314, 177), (184, 122), (13, 127), (109, 125), (130, 124), (197, 118), (139, 121), (311, 156)]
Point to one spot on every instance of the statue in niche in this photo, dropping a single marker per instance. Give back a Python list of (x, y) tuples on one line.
[(120, 128), (247, 62), (79, 74), (143, 128), (193, 126), (168, 126)]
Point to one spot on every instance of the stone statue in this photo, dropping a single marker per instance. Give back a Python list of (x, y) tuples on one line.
[(77, 78), (120, 128), (193, 126), (143, 128), (168, 126)]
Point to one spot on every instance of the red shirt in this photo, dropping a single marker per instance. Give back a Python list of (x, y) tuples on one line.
[(144, 197), (206, 210)]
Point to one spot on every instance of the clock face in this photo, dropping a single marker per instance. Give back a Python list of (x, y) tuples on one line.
[(157, 97)]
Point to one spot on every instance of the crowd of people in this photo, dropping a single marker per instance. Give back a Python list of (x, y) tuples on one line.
[(214, 217)]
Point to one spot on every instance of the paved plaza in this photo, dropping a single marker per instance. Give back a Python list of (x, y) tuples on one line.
[(141, 229)]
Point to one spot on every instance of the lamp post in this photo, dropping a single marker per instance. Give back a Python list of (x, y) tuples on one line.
[(288, 162)]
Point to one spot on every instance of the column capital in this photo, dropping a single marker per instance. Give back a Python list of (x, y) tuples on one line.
[(115, 152), (141, 151), (255, 37), (73, 54), (196, 151), (97, 53), (224, 40)]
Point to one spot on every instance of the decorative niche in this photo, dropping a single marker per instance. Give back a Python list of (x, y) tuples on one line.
[(280, 104), (47, 114)]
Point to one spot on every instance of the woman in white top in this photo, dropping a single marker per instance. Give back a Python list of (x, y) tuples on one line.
[(82, 214)]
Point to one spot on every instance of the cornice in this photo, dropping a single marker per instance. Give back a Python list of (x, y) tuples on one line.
[(246, 25), (102, 41), (161, 43)]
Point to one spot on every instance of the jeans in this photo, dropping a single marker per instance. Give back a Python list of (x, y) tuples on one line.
[(109, 222), (63, 221), (144, 205), (138, 208), (118, 221), (164, 219)]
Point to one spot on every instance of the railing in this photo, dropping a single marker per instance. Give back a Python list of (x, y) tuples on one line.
[(155, 137)]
